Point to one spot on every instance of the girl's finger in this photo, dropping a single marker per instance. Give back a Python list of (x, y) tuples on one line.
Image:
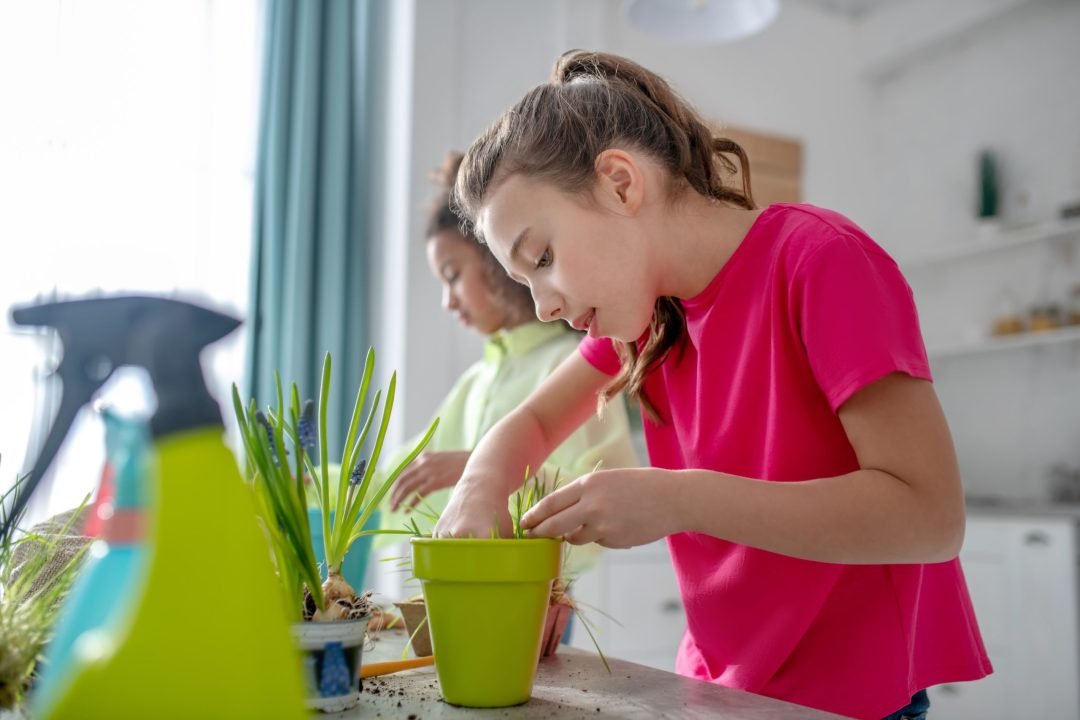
[(419, 494), (403, 488), (556, 502), (582, 536), (562, 522)]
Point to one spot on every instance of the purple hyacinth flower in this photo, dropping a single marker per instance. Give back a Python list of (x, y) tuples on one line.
[(305, 428), (358, 473), (260, 418)]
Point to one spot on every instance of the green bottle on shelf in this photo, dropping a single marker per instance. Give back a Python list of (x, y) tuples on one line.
[(988, 186)]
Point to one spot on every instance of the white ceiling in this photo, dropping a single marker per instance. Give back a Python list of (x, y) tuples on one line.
[(852, 9)]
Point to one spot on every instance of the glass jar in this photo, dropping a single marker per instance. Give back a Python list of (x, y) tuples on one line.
[(1045, 317), (1072, 308), (1008, 318)]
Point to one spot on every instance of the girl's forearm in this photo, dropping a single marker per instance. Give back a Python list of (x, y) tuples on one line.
[(529, 434), (499, 461), (863, 517)]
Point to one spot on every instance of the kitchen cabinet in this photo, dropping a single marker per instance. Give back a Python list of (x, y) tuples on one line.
[(1021, 571), (1022, 575), (632, 602)]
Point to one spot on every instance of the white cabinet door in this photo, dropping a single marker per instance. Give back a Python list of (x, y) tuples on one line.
[(633, 602), (1021, 574)]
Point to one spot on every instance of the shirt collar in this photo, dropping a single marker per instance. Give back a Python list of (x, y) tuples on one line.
[(521, 339)]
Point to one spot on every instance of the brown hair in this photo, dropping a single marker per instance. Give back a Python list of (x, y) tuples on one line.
[(441, 216), (595, 101)]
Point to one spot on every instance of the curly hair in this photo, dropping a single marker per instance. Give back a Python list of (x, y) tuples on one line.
[(442, 217)]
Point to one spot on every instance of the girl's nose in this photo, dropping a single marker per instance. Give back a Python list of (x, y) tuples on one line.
[(449, 299), (548, 309)]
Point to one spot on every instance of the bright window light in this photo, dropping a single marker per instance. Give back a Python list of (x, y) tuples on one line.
[(127, 153)]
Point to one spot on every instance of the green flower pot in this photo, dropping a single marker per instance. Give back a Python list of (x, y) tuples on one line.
[(486, 602)]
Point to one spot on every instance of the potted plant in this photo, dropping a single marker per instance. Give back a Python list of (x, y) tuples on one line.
[(36, 571), (560, 607), (414, 616), (331, 617), (488, 602)]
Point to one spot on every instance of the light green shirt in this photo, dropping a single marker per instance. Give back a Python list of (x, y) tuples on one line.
[(515, 362)]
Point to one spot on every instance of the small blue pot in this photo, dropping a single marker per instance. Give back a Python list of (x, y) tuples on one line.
[(332, 653)]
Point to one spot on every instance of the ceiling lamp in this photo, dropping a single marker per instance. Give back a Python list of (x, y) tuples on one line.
[(700, 22)]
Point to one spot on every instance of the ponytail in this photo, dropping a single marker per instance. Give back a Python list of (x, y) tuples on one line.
[(595, 101)]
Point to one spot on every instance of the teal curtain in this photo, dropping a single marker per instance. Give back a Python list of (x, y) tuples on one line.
[(308, 260)]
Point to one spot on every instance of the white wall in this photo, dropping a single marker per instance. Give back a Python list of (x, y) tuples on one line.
[(1009, 83), (890, 115), (474, 58)]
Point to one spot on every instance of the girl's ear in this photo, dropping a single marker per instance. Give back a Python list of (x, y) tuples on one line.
[(620, 183)]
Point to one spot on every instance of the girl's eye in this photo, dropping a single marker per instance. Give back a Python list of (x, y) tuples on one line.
[(544, 260)]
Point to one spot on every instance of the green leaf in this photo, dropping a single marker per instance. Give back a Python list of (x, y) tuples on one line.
[(351, 450), (324, 399), (377, 499)]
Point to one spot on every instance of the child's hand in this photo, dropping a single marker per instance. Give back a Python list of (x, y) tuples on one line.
[(430, 472), (614, 508), (473, 511)]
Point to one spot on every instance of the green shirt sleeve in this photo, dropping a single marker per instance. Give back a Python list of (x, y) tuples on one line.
[(516, 362), (448, 436)]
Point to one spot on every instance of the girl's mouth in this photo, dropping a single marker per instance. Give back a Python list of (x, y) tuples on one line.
[(584, 322)]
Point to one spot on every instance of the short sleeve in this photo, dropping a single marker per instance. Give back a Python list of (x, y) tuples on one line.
[(856, 316), (601, 354)]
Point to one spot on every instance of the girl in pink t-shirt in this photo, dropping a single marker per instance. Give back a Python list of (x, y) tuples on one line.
[(802, 470)]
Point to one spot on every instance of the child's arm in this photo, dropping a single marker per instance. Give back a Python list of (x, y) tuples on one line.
[(905, 504), (524, 438), (429, 472)]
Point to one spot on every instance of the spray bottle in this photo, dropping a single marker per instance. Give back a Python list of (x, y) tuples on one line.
[(108, 580), (206, 635)]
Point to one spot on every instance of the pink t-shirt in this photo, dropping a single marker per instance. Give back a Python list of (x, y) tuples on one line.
[(807, 311)]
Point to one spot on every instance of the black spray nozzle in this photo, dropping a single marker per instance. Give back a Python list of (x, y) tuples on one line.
[(98, 335)]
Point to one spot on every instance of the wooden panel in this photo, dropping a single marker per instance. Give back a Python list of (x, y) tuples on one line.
[(769, 189), (775, 164), (770, 153)]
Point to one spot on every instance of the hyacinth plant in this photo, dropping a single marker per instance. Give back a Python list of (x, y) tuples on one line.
[(281, 490), (532, 491)]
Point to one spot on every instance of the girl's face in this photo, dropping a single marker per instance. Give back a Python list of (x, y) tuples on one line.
[(583, 259), (459, 264)]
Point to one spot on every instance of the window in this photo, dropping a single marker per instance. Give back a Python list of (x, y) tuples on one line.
[(127, 154)]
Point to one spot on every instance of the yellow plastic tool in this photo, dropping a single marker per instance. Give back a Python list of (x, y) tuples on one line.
[(393, 666), (208, 634)]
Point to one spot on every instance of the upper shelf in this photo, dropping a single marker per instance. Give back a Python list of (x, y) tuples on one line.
[(1068, 334), (1004, 240)]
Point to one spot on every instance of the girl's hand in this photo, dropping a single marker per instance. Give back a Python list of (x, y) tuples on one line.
[(473, 511), (614, 508), (429, 472)]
